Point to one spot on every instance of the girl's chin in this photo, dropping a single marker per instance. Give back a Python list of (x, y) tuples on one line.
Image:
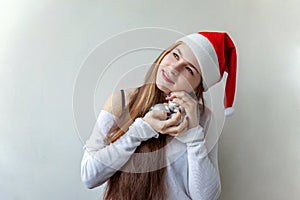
[(163, 89)]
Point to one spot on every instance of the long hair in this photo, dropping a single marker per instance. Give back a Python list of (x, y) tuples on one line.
[(149, 184)]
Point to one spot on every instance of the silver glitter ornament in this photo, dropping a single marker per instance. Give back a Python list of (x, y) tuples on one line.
[(171, 109), (160, 106)]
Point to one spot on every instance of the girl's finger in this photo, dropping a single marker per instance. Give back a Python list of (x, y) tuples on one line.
[(182, 98), (167, 124), (179, 94), (178, 129), (178, 133), (173, 121), (159, 114)]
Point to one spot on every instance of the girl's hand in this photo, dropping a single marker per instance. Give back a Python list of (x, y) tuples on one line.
[(157, 119), (190, 105)]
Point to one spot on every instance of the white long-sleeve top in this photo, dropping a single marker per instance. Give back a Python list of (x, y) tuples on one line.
[(191, 172)]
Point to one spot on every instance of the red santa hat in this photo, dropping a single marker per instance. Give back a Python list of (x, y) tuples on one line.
[(216, 54)]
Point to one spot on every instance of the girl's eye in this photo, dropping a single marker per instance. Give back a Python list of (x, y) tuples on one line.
[(175, 55), (189, 70)]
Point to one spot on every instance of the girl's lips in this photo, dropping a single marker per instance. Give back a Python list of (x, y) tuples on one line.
[(166, 77)]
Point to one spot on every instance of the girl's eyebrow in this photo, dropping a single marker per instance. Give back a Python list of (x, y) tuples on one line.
[(187, 61)]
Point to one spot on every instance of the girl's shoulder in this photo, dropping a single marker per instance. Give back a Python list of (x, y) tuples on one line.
[(129, 92), (114, 103)]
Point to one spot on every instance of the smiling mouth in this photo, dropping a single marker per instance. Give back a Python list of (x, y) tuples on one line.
[(166, 78)]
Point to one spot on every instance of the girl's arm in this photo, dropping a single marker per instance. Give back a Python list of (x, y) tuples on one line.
[(100, 160), (203, 173)]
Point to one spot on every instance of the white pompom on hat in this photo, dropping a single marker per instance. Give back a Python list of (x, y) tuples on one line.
[(216, 54)]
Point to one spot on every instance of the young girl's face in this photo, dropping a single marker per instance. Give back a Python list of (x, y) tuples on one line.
[(178, 70)]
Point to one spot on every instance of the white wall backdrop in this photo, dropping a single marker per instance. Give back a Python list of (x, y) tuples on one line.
[(44, 43)]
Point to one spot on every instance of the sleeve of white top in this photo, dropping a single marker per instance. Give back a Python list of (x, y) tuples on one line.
[(203, 173), (100, 161)]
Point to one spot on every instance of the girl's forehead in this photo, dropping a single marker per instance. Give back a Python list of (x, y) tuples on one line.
[(187, 54)]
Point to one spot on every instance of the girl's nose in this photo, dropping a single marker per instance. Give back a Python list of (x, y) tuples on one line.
[(176, 67)]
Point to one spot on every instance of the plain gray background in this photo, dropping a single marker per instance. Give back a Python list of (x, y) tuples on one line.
[(44, 43)]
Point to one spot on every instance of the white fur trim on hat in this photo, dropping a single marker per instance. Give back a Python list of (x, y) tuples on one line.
[(206, 57), (229, 111)]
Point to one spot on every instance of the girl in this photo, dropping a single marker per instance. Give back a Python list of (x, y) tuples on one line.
[(141, 152)]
